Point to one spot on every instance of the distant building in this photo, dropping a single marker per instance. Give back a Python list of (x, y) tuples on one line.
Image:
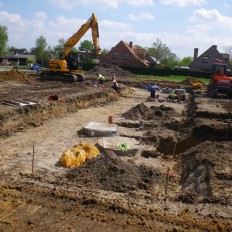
[(204, 62), (16, 57), (126, 54)]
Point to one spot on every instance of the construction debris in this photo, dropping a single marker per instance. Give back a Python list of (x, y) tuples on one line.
[(18, 103)]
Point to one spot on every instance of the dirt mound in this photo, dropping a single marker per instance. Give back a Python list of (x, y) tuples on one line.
[(109, 172), (191, 81), (14, 75), (207, 173), (141, 111), (108, 70)]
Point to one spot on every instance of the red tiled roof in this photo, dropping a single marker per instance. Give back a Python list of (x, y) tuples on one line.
[(135, 52)]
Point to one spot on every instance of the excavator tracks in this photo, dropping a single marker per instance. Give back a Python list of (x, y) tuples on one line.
[(58, 76)]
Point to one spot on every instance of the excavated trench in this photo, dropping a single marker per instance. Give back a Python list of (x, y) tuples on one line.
[(21, 118), (201, 147), (172, 136)]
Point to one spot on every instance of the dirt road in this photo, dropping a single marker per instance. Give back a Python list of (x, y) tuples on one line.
[(112, 193)]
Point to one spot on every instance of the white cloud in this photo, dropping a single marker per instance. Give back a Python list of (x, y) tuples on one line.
[(183, 3), (1, 4), (199, 30), (141, 17), (41, 15), (11, 18), (114, 25), (140, 2), (67, 4), (103, 4), (213, 18)]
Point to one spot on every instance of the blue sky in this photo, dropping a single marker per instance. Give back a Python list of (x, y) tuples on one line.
[(181, 24)]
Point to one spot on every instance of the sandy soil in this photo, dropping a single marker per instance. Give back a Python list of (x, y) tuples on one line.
[(114, 193)]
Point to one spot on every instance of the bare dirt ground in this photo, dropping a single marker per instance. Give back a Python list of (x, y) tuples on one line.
[(109, 192)]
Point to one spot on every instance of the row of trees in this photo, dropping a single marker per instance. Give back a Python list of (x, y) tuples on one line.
[(159, 50)]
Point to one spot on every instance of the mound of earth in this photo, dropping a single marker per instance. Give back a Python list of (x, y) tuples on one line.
[(109, 70), (191, 81), (14, 75), (109, 172), (207, 174), (141, 111)]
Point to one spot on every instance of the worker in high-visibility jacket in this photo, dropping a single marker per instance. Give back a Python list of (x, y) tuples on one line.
[(101, 80)]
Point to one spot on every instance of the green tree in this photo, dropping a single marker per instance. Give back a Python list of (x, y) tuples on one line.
[(104, 52), (12, 49), (3, 39), (186, 61), (40, 49), (171, 60), (30, 60), (57, 50), (159, 51), (86, 46), (87, 49)]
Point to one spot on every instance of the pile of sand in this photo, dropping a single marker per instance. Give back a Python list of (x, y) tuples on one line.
[(109, 70), (14, 75)]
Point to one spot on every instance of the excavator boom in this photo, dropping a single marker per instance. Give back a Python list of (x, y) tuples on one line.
[(72, 41), (66, 68)]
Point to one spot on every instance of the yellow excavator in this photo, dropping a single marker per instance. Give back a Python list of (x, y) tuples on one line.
[(67, 68)]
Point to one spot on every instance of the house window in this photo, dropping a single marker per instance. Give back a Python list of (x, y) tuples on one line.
[(205, 59), (125, 56), (115, 56)]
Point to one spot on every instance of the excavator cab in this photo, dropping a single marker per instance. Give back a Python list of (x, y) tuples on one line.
[(74, 61), (219, 69), (220, 83)]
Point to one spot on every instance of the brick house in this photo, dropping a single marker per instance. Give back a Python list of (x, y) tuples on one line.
[(203, 63), (126, 54)]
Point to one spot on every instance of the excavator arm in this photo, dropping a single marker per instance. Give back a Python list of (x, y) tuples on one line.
[(67, 68), (91, 23)]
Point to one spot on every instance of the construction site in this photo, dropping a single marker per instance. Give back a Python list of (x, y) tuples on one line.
[(149, 165)]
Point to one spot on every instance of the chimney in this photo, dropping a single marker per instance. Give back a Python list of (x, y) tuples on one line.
[(131, 44), (195, 53)]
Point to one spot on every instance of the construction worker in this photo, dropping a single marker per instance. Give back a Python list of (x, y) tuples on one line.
[(115, 84), (101, 80)]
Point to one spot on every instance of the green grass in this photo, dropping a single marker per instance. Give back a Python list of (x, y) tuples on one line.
[(166, 78), (6, 67)]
